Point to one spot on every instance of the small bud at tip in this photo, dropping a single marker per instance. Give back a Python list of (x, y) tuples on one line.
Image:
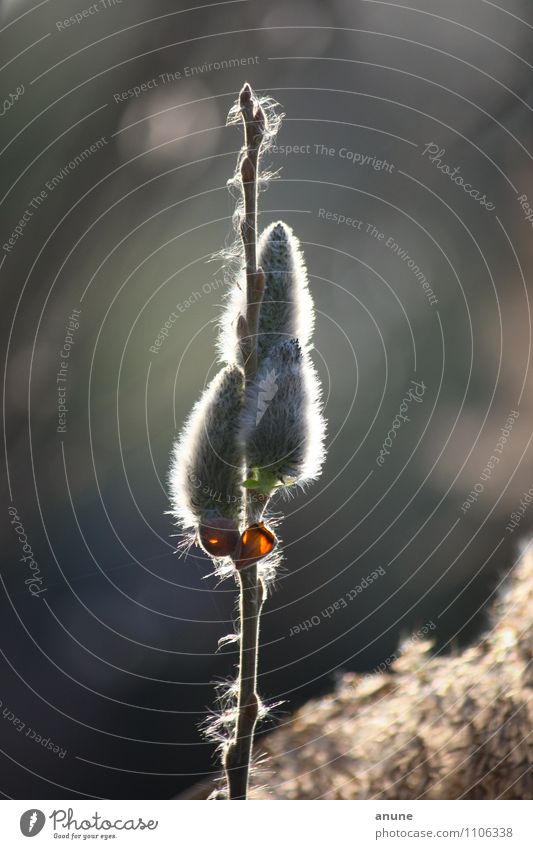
[(245, 95)]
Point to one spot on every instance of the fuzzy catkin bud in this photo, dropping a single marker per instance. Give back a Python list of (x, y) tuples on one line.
[(287, 306), (282, 427), (207, 462)]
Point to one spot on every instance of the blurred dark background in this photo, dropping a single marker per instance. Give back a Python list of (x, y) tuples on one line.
[(113, 661)]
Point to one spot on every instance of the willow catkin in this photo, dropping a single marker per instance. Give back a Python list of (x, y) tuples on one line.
[(207, 465), (282, 428), (287, 309)]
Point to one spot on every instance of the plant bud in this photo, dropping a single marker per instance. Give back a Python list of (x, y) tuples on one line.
[(282, 427), (207, 466), (287, 306)]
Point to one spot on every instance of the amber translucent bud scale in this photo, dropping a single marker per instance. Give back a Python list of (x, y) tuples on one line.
[(220, 538), (256, 542)]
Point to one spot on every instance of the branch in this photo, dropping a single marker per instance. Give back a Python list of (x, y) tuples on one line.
[(239, 751), (238, 754), (254, 132)]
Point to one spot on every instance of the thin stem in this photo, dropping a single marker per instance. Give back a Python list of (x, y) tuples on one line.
[(238, 754), (239, 751)]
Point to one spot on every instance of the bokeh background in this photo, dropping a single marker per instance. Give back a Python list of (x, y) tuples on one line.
[(114, 660)]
